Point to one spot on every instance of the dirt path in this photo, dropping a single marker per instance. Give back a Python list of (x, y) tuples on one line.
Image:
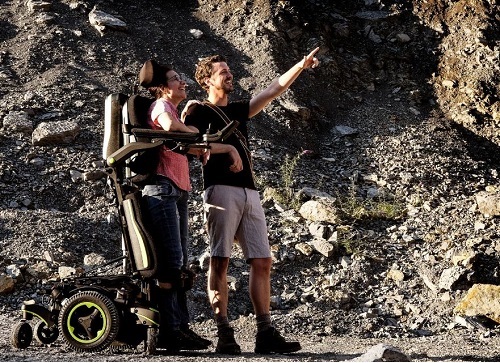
[(459, 346)]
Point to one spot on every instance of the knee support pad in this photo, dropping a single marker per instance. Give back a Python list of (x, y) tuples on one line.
[(171, 276), (181, 279)]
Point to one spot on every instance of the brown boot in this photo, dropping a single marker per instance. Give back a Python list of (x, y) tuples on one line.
[(226, 343)]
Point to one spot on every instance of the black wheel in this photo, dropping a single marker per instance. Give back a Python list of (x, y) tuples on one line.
[(151, 340), (89, 321), (44, 334), (22, 335)]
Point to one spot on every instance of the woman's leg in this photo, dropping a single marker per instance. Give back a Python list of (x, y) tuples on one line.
[(162, 203)]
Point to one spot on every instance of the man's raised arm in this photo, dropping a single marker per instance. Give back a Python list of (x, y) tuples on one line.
[(281, 84)]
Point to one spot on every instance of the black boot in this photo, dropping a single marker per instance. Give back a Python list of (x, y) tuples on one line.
[(176, 340), (270, 341)]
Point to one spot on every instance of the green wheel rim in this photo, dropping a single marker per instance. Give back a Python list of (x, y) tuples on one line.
[(71, 329)]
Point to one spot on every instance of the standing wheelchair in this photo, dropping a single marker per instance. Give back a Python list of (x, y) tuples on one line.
[(93, 311)]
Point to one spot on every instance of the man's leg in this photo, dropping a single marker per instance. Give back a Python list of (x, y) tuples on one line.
[(217, 285), (218, 294), (223, 209), (260, 285), (268, 339)]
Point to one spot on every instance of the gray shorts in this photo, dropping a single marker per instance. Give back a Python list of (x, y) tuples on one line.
[(235, 214)]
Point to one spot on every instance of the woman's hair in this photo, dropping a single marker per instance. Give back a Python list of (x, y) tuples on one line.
[(204, 69), (160, 80), (157, 91), (153, 76)]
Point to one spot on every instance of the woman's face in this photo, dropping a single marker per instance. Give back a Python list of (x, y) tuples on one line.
[(176, 86)]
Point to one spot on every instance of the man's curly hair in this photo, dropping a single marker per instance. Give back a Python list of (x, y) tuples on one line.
[(204, 69)]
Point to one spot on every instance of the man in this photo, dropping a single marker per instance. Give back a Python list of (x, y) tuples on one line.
[(232, 203)]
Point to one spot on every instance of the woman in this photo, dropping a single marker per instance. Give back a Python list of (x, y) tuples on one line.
[(168, 206)]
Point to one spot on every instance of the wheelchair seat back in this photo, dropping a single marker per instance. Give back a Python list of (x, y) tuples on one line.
[(141, 243), (122, 115)]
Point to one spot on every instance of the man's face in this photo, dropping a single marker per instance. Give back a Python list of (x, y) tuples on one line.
[(221, 78)]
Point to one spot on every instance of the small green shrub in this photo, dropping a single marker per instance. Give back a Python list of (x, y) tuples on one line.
[(353, 207), (284, 193)]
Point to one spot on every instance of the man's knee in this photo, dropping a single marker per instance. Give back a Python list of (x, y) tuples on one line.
[(261, 265), (219, 265)]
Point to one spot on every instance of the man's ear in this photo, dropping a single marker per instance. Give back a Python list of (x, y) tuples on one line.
[(208, 82)]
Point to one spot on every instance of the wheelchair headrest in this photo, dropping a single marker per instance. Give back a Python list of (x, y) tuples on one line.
[(138, 107), (153, 74)]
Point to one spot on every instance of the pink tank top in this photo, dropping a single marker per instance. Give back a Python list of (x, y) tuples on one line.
[(172, 165)]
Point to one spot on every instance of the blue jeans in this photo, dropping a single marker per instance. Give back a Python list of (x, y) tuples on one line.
[(168, 208)]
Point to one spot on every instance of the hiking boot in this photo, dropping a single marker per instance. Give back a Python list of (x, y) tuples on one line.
[(177, 340), (270, 341), (192, 335), (226, 343)]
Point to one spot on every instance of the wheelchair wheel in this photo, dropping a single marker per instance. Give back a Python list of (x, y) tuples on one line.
[(44, 334), (89, 321), (22, 335), (151, 340)]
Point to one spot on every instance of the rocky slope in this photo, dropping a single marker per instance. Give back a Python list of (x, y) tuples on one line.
[(399, 126)]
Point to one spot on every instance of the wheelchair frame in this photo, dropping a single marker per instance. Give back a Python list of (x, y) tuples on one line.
[(94, 312)]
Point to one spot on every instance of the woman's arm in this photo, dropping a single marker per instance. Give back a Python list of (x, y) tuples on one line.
[(170, 123)]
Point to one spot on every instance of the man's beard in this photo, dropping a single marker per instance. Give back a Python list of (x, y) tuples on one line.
[(228, 89)]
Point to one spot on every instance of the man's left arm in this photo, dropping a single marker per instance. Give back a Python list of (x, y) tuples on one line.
[(281, 84)]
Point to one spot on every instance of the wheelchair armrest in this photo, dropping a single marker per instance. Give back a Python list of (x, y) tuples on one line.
[(183, 140), (128, 150), (182, 137), (221, 135)]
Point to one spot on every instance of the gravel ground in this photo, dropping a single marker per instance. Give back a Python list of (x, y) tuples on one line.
[(391, 111)]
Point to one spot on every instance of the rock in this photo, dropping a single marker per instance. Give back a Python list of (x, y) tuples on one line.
[(40, 270), (102, 20), (49, 133), (319, 211), (346, 130), (451, 277), (34, 5), (488, 203), (320, 230), (448, 84), (13, 271), (66, 271), (6, 284), (403, 38), (76, 175), (94, 175), (204, 260), (304, 248), (396, 275), (93, 259), (382, 353), (312, 193), (325, 248), (18, 122), (481, 299)]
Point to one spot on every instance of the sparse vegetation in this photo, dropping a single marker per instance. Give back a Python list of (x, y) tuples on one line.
[(285, 194), (354, 207)]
